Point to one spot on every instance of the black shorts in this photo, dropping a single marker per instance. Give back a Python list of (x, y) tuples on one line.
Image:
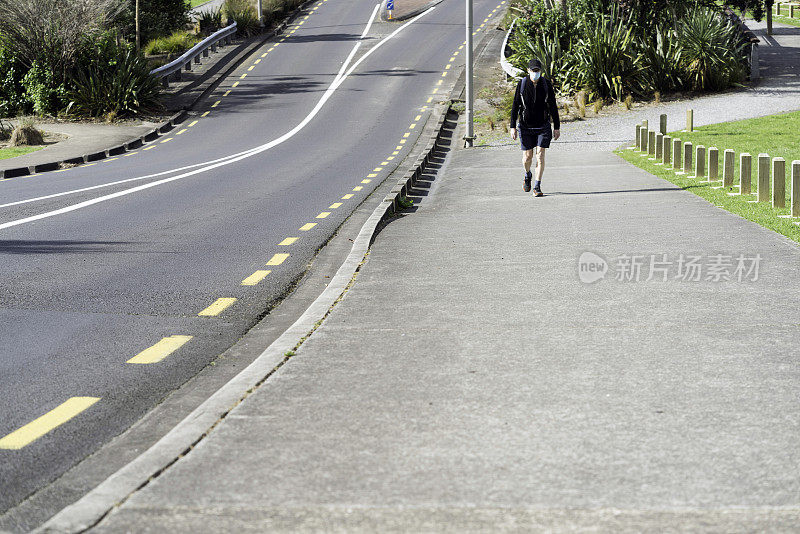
[(529, 138)]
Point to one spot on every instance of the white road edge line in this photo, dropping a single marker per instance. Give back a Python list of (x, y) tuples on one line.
[(338, 80)]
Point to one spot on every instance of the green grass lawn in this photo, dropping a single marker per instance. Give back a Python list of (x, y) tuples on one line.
[(196, 3), (13, 152), (784, 17), (776, 135)]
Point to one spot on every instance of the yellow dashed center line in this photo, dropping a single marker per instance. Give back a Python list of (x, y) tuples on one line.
[(399, 147), (277, 259), (308, 226), (444, 73), (167, 140), (383, 163), (215, 104), (402, 141), (396, 152), (411, 127), (348, 196), (205, 114), (44, 424), (435, 90), (251, 67), (372, 175), (235, 84), (366, 181), (288, 241), (193, 123), (111, 159), (358, 188), (390, 158), (243, 76), (406, 135), (227, 92), (323, 214), (184, 130), (217, 307), (255, 278), (440, 82), (160, 350), (334, 205), (151, 147)]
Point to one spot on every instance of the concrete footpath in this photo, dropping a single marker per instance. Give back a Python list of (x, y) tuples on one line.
[(474, 380), (616, 356)]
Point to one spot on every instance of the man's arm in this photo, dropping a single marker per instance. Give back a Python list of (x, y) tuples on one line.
[(515, 112), (554, 112)]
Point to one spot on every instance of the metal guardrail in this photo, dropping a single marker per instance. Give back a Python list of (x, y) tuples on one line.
[(184, 62), (508, 68)]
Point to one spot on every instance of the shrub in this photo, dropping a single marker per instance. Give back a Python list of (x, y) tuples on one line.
[(116, 80), (50, 32), (604, 59), (43, 91), (241, 12), (12, 93), (713, 50), (26, 133), (157, 18), (209, 21), (177, 43)]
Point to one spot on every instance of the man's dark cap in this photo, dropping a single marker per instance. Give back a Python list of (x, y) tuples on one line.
[(535, 64)]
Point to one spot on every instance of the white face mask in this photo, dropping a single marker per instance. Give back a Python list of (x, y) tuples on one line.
[(536, 76)]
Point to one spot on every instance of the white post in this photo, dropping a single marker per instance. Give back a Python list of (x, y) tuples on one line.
[(470, 136), (260, 13)]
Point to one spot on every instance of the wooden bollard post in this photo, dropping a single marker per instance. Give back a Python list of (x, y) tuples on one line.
[(651, 144), (638, 142), (713, 164), (645, 125), (727, 168), (667, 150), (663, 124), (644, 133), (745, 173), (687, 158), (700, 161), (796, 188), (778, 183), (763, 177), (689, 120), (676, 154), (777, 8), (659, 147)]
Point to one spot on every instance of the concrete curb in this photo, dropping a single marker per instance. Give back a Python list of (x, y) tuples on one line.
[(206, 86), (409, 15)]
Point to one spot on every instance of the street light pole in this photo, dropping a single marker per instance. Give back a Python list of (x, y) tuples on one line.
[(260, 14), (470, 136)]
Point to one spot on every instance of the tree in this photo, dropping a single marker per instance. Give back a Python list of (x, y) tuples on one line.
[(757, 8), (157, 18)]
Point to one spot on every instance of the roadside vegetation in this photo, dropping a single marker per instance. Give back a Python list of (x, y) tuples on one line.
[(77, 59), (612, 50), (775, 135)]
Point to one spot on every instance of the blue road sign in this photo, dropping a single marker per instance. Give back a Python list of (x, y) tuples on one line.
[(390, 5)]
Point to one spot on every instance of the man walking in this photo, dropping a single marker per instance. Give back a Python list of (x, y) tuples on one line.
[(534, 105)]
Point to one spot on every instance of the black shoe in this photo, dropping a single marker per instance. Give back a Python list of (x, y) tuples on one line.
[(538, 193), (526, 183)]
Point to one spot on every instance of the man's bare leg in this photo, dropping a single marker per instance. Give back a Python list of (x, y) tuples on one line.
[(539, 163), (527, 160)]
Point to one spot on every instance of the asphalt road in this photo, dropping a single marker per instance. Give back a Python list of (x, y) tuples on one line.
[(96, 271)]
